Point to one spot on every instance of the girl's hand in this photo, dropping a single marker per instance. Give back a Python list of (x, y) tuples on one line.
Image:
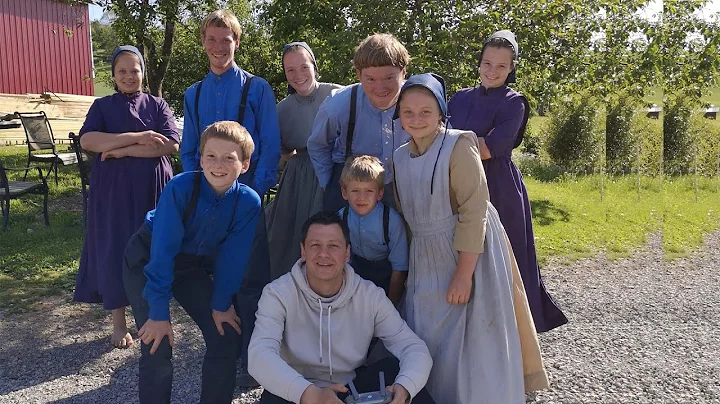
[(151, 138), (460, 288), (113, 154)]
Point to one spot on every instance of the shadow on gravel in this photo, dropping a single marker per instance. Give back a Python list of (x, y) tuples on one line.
[(544, 212), (24, 367), (121, 389)]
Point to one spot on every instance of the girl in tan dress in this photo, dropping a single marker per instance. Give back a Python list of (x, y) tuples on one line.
[(465, 298)]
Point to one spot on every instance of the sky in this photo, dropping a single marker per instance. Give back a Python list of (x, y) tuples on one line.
[(95, 12)]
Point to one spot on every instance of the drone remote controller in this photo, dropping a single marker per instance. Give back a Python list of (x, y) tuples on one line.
[(381, 396)]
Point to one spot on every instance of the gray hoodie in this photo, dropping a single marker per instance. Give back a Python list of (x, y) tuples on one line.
[(301, 338)]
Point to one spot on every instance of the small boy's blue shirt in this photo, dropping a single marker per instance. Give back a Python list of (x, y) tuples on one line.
[(208, 232), (367, 237)]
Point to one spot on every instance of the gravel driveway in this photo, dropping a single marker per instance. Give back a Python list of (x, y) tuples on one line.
[(641, 331)]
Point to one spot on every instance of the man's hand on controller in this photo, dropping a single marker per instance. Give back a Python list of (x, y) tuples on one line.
[(400, 394), (328, 395)]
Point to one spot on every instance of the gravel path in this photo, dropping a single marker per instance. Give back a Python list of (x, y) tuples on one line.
[(641, 331)]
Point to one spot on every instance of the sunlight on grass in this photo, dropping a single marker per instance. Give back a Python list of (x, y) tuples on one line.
[(570, 220), (38, 261), (685, 218)]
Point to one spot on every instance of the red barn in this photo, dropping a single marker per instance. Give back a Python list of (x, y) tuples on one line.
[(45, 46)]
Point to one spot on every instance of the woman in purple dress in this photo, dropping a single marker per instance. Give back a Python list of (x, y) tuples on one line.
[(498, 115), (133, 133)]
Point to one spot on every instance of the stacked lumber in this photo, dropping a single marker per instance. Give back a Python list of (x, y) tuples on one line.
[(66, 113)]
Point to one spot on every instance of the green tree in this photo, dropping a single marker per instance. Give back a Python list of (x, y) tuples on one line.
[(150, 25), (689, 47), (189, 63)]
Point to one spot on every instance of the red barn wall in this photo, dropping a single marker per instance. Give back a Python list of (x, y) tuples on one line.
[(44, 45)]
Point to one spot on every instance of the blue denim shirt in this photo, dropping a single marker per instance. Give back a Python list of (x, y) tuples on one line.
[(367, 237)]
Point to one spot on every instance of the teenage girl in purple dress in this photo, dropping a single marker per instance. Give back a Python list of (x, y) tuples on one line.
[(498, 115), (133, 133)]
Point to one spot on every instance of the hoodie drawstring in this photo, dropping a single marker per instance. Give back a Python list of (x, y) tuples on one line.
[(330, 342), (320, 325), (329, 336)]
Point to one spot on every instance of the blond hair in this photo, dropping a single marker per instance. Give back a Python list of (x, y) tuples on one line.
[(380, 50), (363, 169), (232, 132), (222, 19)]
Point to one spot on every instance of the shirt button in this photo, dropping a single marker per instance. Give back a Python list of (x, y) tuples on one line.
[(218, 93)]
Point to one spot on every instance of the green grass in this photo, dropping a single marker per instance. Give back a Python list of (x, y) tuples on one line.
[(688, 214), (38, 261), (101, 81), (570, 219), (654, 95), (713, 96)]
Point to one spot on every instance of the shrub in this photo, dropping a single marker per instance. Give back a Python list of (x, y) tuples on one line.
[(677, 135), (650, 144), (575, 134), (706, 145), (621, 138)]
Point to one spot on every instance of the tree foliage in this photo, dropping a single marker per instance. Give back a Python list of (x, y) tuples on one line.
[(603, 49)]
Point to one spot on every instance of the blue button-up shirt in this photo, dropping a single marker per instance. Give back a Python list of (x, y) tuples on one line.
[(373, 135), (220, 101), (208, 232), (367, 237)]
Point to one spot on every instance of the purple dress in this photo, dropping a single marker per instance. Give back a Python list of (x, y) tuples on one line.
[(498, 115), (122, 191)]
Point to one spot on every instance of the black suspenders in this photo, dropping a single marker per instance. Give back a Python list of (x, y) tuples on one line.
[(190, 209), (386, 221), (241, 111), (351, 122), (194, 198)]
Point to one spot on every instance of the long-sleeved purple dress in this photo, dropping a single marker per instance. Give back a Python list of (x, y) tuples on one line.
[(498, 115), (122, 191)]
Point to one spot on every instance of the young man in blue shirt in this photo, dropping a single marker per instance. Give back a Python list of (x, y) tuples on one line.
[(194, 247), (230, 93), (378, 239), (357, 120)]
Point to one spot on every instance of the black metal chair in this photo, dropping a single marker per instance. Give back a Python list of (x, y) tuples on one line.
[(15, 189), (269, 195), (40, 138), (85, 161)]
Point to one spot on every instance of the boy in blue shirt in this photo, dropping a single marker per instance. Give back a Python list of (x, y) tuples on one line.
[(378, 240), (228, 92), (358, 119), (194, 246)]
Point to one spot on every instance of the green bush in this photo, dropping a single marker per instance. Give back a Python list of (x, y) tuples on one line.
[(707, 144), (677, 136), (649, 136), (576, 134), (621, 138), (532, 140)]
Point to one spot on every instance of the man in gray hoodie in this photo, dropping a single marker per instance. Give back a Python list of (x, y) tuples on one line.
[(314, 326)]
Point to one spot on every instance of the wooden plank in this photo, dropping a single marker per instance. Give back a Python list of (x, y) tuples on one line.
[(55, 106), (60, 127)]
